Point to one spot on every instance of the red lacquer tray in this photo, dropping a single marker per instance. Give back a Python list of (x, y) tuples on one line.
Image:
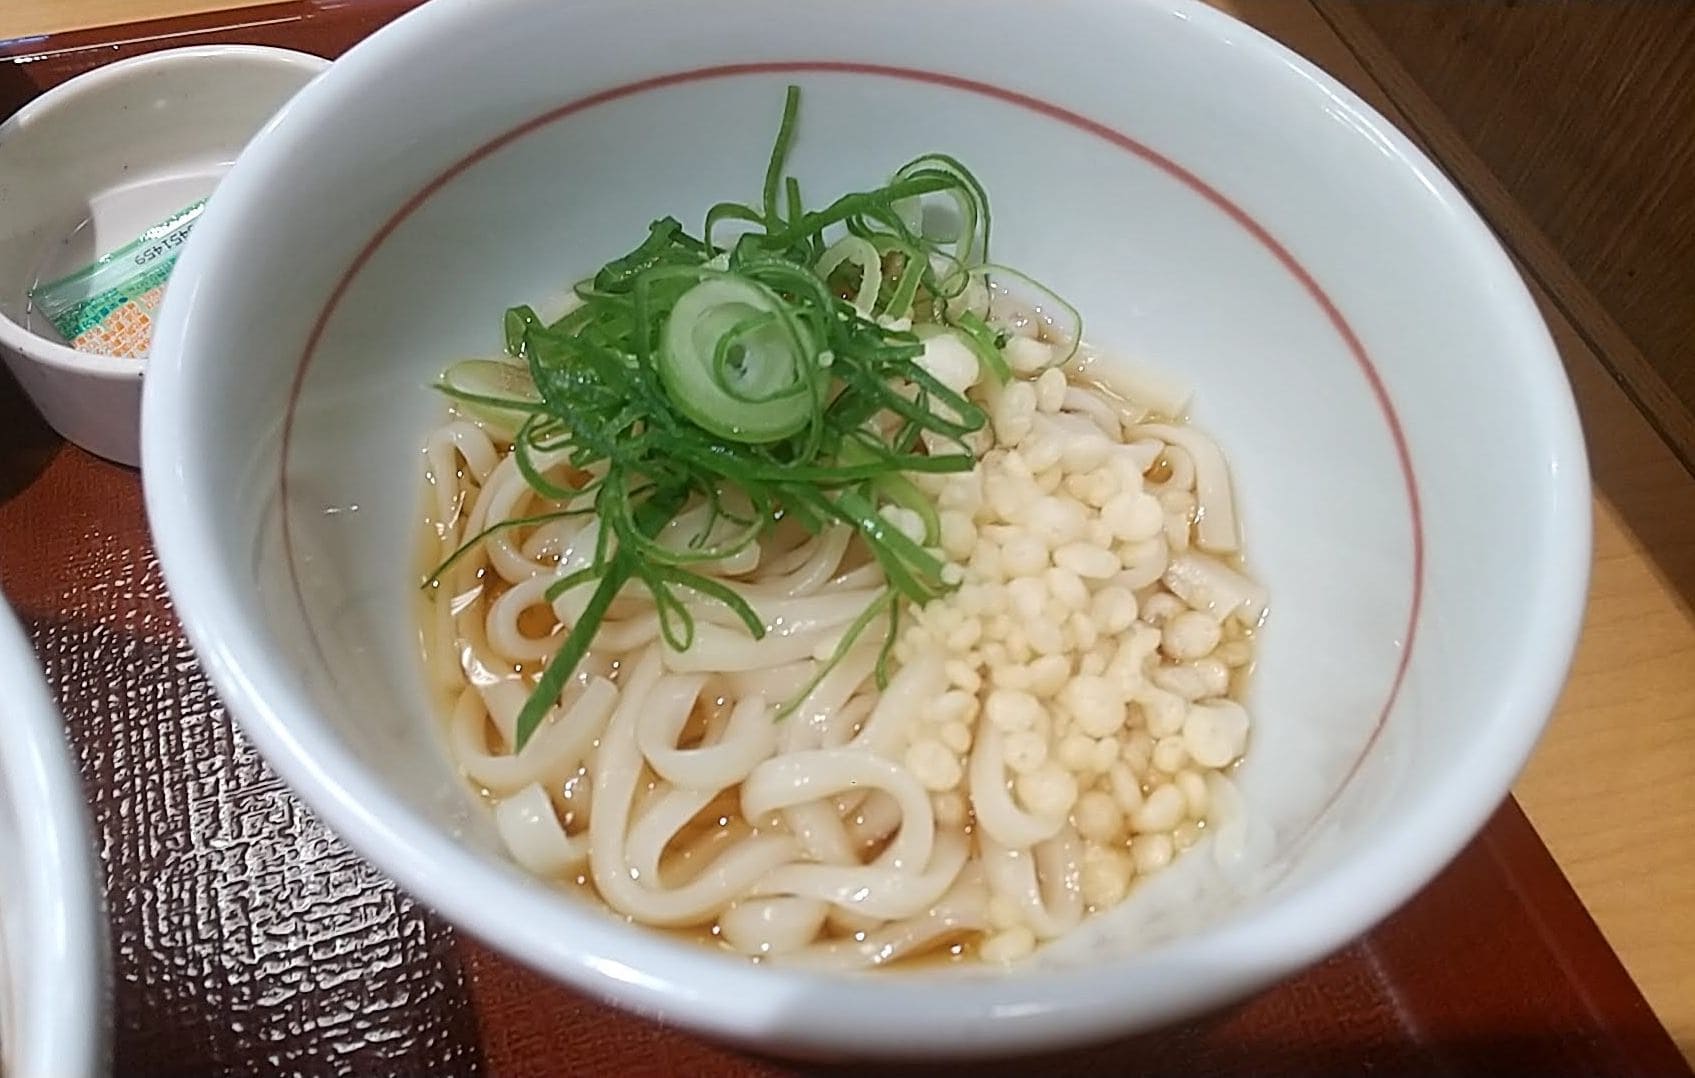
[(247, 939)]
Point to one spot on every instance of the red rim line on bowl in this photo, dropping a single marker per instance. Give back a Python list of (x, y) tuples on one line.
[(1012, 97)]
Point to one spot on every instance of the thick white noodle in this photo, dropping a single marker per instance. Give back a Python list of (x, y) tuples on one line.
[(1144, 451), (506, 495), (1208, 584), (657, 824), (777, 925), (918, 682), (447, 445), (833, 856), (750, 737), (1083, 404), (556, 750), (997, 816), (874, 890), (775, 683), (841, 726), (545, 543), (814, 718), (798, 777), (504, 691), (963, 909), (1182, 469), (873, 817), (1044, 882), (794, 629), (772, 926), (819, 829), (618, 767), (813, 548), (502, 628), (863, 577), (1215, 527), (532, 832), (689, 530)]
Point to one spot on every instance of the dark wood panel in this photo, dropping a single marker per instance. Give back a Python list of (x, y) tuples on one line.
[(1585, 113)]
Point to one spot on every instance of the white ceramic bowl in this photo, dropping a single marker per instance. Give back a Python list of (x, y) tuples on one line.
[(86, 168), (1409, 466), (53, 987)]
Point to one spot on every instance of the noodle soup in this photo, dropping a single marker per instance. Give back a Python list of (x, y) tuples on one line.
[(828, 599)]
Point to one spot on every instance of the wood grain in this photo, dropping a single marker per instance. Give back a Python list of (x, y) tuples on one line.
[(1474, 976), (20, 18), (1586, 113), (1611, 788)]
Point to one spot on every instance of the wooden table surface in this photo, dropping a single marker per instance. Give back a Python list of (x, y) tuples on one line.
[(1611, 789)]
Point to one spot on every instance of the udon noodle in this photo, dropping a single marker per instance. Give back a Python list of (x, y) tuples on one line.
[(1055, 727)]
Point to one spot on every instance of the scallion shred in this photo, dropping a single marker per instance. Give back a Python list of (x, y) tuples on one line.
[(770, 356)]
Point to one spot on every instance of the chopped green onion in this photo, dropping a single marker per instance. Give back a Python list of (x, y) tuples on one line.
[(725, 378), (733, 364), (518, 321), (1044, 301), (981, 340), (779, 154), (882, 604), (863, 255), (498, 392)]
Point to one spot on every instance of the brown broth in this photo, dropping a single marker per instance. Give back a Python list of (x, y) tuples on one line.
[(720, 822)]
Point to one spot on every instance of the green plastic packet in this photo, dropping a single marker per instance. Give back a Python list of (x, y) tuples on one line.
[(108, 308)]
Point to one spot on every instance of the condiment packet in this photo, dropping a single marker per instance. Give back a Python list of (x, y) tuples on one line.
[(108, 308)]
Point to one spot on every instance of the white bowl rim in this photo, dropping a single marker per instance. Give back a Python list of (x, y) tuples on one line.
[(694, 987), (53, 353), (64, 1003)]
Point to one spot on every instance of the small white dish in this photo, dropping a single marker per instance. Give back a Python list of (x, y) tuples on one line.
[(87, 167), (1408, 463), (53, 974)]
